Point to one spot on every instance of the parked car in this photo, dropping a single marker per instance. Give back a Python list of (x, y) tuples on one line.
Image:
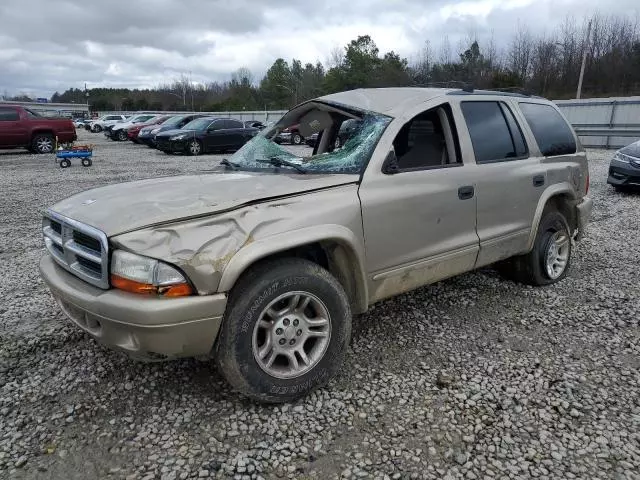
[(105, 121), (147, 134), (206, 134), (624, 169), (290, 134), (263, 263), (134, 130), (347, 129), (118, 131), (79, 122), (254, 124), (24, 128)]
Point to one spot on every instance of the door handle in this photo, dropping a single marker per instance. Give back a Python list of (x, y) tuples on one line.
[(538, 180), (466, 192)]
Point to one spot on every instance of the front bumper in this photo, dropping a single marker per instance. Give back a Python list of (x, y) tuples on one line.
[(583, 210), (146, 139), (167, 145), (622, 173), (144, 327), (283, 137)]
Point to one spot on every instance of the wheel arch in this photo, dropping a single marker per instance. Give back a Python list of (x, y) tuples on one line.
[(333, 247), (563, 198), (40, 131)]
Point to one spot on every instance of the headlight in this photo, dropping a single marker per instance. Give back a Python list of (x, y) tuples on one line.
[(181, 136), (138, 274), (621, 157)]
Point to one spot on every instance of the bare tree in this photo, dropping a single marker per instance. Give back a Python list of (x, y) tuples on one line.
[(520, 51), (445, 51)]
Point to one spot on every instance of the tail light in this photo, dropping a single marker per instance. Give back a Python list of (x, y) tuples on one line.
[(587, 186)]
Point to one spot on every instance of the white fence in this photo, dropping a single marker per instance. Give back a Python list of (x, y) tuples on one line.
[(604, 122)]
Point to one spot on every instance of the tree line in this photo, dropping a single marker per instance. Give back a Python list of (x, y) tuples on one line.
[(543, 64)]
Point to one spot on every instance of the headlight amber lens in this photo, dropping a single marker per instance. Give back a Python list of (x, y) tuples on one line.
[(144, 275)]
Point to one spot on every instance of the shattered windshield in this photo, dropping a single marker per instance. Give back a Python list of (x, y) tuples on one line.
[(263, 153)]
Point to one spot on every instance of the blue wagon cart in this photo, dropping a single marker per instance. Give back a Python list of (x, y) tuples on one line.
[(65, 154)]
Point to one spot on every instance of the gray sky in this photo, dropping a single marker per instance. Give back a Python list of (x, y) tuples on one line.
[(49, 45)]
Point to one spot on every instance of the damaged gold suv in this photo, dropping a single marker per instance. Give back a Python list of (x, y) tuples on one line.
[(263, 262)]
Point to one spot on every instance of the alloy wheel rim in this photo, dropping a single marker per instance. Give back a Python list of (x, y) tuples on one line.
[(557, 255), (194, 148), (291, 335), (45, 144)]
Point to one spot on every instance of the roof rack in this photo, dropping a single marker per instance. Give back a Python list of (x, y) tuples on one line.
[(520, 90)]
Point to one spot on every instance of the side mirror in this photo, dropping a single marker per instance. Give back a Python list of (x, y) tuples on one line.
[(390, 165)]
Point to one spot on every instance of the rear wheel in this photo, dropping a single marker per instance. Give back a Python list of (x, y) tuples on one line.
[(549, 260), (296, 138), (122, 135), (43, 143), (285, 331), (96, 129)]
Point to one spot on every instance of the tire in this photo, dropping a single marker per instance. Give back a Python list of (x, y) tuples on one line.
[(43, 143), (86, 162), (296, 138), (194, 147), (532, 268), (65, 163), (242, 336), (121, 135), (96, 129)]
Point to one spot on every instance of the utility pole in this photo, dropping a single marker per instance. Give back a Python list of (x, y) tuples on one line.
[(584, 60), (191, 89)]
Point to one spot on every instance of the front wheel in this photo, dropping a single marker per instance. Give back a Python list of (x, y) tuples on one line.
[(285, 332), (122, 135), (96, 129), (549, 260), (296, 138), (194, 147)]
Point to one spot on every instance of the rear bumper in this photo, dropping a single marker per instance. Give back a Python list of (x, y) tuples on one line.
[(583, 210), (622, 174), (146, 328)]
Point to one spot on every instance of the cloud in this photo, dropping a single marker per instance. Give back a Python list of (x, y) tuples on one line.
[(142, 43)]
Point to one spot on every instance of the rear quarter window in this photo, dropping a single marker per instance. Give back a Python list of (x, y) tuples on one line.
[(8, 114), (551, 131)]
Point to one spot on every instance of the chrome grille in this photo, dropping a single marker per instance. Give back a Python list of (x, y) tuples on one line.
[(78, 248)]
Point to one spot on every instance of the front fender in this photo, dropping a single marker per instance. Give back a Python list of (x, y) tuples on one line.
[(274, 244)]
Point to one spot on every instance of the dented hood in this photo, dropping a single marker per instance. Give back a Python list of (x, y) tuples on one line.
[(124, 207)]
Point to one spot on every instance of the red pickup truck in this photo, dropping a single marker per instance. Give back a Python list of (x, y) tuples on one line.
[(24, 128)]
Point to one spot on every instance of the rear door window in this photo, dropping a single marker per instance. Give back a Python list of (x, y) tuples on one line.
[(553, 135), (8, 114), (494, 132), (228, 124)]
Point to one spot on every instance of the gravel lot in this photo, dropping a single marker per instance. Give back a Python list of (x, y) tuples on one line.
[(475, 377)]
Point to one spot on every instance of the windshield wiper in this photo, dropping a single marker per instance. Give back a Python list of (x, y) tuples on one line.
[(279, 162), (231, 165)]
